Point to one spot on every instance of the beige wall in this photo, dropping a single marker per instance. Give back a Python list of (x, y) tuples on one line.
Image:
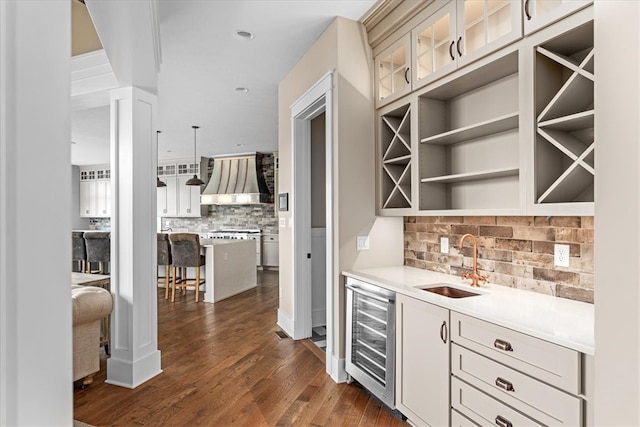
[(343, 48)]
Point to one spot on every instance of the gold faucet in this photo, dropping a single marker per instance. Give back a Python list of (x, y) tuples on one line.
[(474, 276)]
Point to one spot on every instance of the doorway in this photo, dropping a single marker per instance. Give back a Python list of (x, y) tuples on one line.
[(312, 217)]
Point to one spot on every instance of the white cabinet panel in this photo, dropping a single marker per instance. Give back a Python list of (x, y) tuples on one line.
[(188, 198), (87, 201), (422, 362), (167, 205)]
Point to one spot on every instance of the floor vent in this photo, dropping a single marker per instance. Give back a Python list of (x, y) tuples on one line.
[(282, 334)]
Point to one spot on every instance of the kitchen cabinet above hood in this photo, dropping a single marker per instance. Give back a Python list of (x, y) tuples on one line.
[(237, 180)]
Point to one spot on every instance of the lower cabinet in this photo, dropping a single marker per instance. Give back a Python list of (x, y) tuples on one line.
[(422, 362), (504, 377), (456, 370)]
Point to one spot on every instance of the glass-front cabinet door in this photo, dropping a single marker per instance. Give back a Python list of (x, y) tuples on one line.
[(486, 25), (540, 13), (393, 73), (433, 46)]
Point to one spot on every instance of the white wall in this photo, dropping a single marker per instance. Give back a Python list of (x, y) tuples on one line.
[(342, 47), (617, 214), (35, 309)]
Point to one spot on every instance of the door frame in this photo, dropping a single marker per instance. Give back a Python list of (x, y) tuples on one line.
[(316, 100)]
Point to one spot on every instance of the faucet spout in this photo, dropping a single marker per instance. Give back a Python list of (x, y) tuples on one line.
[(473, 275)]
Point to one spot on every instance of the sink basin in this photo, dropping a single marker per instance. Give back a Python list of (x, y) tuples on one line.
[(449, 292)]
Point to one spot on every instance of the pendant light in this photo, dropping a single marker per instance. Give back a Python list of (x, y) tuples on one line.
[(195, 180), (159, 183)]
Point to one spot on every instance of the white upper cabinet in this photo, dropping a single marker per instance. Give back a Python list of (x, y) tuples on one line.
[(540, 13), (95, 191), (392, 71), (462, 32), (178, 199), (433, 45)]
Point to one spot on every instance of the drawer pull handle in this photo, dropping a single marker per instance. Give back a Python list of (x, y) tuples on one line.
[(503, 422), (502, 345), (504, 384)]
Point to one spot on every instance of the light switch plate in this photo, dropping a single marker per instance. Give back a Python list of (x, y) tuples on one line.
[(282, 222), (362, 243), (444, 245), (561, 255)]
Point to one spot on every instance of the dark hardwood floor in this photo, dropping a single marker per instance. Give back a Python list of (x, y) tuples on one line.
[(223, 364)]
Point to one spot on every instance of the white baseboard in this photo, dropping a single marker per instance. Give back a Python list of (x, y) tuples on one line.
[(125, 373), (285, 322), (336, 369)]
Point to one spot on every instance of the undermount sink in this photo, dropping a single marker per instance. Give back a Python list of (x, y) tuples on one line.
[(449, 291)]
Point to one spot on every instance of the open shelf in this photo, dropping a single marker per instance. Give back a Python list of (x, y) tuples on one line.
[(469, 149), (475, 131), (473, 176), (564, 160), (395, 161)]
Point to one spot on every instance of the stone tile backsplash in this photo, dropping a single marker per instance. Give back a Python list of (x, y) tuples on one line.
[(229, 216), (513, 251)]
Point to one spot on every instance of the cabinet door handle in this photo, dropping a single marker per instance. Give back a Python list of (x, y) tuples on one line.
[(453, 58), (406, 75), (502, 345), (503, 422), (443, 332), (504, 384), (526, 10), (458, 46)]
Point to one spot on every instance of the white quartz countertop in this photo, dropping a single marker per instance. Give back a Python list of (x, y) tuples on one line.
[(561, 321)]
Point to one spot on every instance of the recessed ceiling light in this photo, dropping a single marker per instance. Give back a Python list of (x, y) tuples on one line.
[(241, 90), (243, 35)]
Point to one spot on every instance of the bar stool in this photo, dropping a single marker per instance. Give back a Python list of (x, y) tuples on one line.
[(79, 250), (98, 249), (185, 252), (164, 259)]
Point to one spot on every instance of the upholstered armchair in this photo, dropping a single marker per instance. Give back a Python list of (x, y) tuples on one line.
[(90, 305)]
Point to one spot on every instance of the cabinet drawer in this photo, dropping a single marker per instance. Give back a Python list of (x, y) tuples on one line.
[(483, 409), (551, 363), (537, 400), (459, 420)]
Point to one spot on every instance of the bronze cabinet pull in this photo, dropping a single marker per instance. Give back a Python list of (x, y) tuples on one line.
[(443, 332), (502, 345), (458, 46), (526, 10), (503, 422), (451, 51), (504, 384)]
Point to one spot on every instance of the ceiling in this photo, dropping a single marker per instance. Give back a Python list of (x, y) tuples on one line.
[(203, 61)]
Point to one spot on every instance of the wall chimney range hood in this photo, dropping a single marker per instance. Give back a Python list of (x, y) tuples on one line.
[(237, 180)]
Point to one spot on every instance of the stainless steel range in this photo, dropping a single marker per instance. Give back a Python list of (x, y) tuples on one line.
[(240, 234)]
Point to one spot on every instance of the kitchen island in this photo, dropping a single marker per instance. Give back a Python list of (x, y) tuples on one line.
[(230, 267)]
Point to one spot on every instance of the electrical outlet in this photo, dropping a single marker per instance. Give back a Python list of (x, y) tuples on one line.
[(362, 243), (444, 245), (561, 255)]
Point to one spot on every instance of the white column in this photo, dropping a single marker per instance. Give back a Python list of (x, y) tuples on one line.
[(35, 223), (135, 357), (617, 214)]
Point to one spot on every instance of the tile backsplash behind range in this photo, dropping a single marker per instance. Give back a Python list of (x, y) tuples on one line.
[(513, 251), (229, 216)]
